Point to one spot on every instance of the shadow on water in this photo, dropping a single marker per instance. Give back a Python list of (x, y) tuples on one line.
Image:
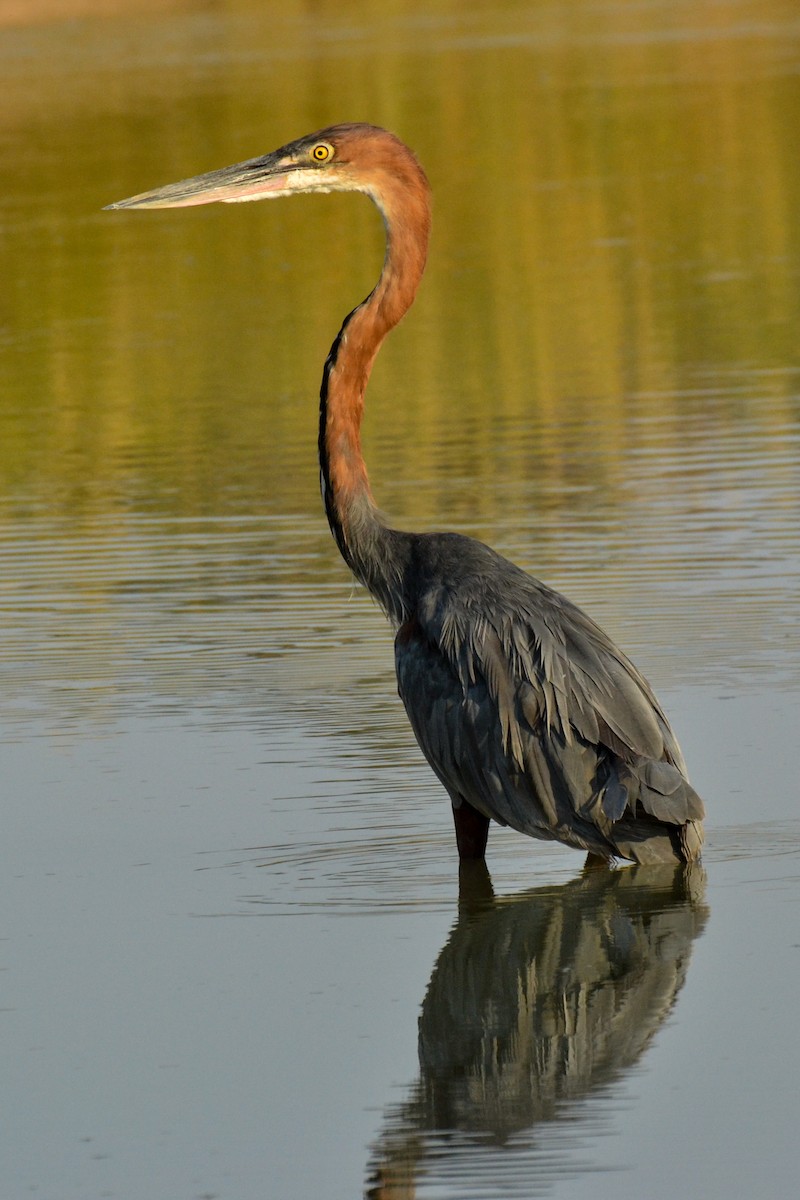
[(536, 1003)]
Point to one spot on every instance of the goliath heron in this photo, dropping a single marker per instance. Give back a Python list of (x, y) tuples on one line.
[(524, 708)]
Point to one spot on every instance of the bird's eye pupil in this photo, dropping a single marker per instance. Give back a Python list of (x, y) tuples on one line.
[(321, 153)]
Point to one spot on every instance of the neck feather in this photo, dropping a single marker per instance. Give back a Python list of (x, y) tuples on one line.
[(374, 552)]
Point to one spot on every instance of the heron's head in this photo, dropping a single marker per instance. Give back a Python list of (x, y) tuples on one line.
[(350, 158)]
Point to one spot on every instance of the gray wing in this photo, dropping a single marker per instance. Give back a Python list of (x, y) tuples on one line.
[(534, 716)]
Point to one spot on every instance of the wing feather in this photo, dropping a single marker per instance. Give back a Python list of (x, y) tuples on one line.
[(526, 709)]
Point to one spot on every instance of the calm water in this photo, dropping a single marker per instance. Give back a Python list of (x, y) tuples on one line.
[(198, 716)]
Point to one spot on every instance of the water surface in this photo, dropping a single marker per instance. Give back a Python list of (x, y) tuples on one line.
[(239, 961)]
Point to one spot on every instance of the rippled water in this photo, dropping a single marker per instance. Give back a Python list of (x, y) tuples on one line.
[(198, 717)]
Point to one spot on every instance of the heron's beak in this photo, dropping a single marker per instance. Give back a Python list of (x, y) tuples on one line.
[(256, 179)]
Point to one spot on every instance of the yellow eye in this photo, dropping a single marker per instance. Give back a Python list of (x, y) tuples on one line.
[(322, 152)]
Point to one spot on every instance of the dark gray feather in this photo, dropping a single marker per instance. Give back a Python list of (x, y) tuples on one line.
[(525, 708)]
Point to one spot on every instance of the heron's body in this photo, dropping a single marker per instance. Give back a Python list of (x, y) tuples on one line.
[(525, 709)]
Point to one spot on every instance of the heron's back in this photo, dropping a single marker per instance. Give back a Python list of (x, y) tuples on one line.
[(527, 710)]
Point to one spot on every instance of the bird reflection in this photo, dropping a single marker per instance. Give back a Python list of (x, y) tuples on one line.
[(535, 1002)]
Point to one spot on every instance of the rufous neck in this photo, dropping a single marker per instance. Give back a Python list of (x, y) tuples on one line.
[(349, 505)]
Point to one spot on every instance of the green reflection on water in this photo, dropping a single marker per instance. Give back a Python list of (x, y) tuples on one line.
[(601, 367), (614, 218)]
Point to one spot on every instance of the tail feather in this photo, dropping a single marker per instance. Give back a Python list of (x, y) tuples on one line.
[(662, 821), (644, 839)]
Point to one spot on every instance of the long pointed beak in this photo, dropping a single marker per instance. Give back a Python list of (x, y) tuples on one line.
[(256, 179)]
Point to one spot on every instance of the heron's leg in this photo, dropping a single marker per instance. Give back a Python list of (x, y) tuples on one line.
[(472, 830)]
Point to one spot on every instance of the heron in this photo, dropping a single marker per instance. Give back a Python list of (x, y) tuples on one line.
[(526, 710)]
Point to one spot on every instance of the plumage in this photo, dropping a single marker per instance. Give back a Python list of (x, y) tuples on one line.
[(525, 709)]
